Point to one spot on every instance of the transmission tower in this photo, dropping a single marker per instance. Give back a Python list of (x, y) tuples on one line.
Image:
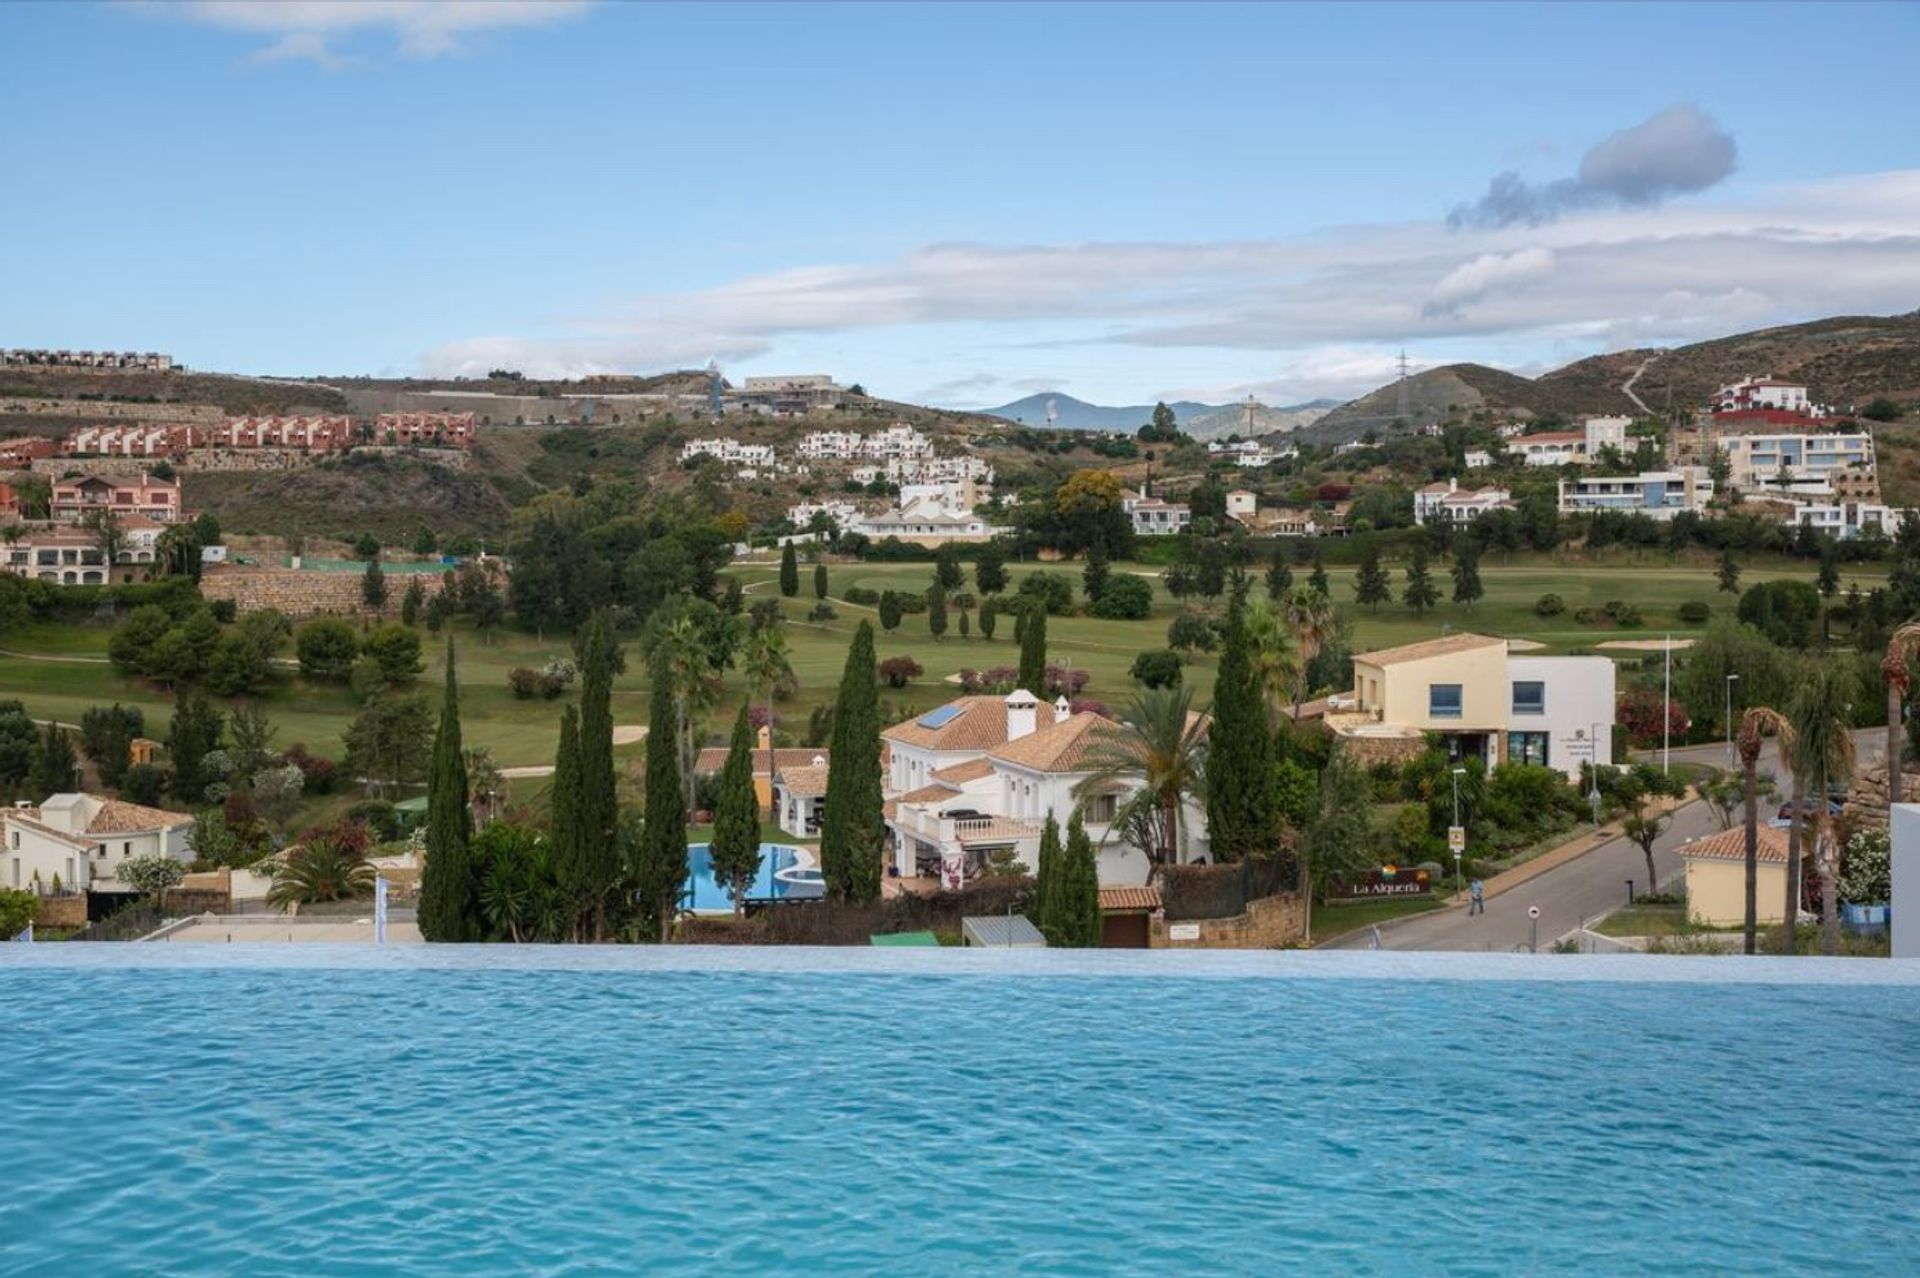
[(1400, 409)]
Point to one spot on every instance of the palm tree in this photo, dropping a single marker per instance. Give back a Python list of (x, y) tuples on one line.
[(485, 784), (1310, 613), (1757, 722), (1160, 747), (1823, 758), (1895, 670), (695, 688), (1275, 656), (767, 667), (328, 868)]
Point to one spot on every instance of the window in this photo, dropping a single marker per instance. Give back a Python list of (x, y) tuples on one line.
[(1443, 700), (1100, 808), (1527, 747), (1529, 697)]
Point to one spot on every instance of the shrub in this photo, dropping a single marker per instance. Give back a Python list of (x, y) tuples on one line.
[(1125, 598), (525, 682), (861, 595), (326, 647), (1158, 669), (1191, 632), (1621, 613), (1866, 878), (151, 873), (1052, 589), (1062, 682), (143, 784), (1695, 613), (223, 610), (822, 611), (1549, 606), (382, 822), (1639, 713), (895, 672)]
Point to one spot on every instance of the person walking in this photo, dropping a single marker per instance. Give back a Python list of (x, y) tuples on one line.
[(1476, 898)]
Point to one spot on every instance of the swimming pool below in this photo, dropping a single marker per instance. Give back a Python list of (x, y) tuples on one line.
[(937, 1115), (783, 876)]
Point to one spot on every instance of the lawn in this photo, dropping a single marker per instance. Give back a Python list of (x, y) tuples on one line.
[(59, 671), (1331, 920)]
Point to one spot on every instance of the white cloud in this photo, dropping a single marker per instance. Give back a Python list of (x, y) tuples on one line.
[(308, 30), (1619, 277)]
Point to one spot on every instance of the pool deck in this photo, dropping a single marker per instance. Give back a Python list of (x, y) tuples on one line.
[(865, 961)]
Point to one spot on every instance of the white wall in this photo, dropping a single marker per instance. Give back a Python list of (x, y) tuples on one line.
[(1906, 880), (1580, 693)]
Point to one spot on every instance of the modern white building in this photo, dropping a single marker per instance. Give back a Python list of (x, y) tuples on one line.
[(729, 450), (1478, 459), (981, 775), (1571, 447), (1753, 394), (1846, 520), (1447, 502), (1657, 494), (841, 514), (897, 440), (1803, 464), (75, 840)]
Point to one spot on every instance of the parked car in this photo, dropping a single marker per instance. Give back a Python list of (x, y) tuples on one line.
[(1810, 808)]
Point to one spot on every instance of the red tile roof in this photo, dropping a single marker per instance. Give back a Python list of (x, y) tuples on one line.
[(1731, 845), (1116, 899)]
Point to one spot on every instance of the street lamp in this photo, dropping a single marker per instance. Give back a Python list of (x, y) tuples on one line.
[(1458, 879), (1731, 680), (1593, 773)]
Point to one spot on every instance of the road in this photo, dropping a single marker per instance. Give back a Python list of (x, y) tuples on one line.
[(1583, 888)]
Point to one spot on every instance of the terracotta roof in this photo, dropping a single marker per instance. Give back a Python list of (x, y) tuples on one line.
[(1129, 898), (980, 725), (714, 759), (1444, 646), (930, 794), (1553, 437), (1059, 747), (116, 816), (961, 773), (1731, 845), (804, 783)]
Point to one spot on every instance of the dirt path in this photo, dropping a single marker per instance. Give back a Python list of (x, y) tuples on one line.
[(623, 734), (1626, 387)]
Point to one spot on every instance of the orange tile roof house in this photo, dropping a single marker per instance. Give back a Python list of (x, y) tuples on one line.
[(1716, 868), (981, 774), (157, 499), (79, 839)]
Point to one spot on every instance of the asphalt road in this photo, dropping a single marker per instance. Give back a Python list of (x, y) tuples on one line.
[(1584, 888)]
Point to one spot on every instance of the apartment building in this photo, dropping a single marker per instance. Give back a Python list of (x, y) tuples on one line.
[(1845, 520), (1657, 494), (788, 396), (130, 441), (20, 453), (1804, 464), (311, 434), (145, 495), (1449, 503), (123, 361), (440, 430), (728, 450), (1482, 702), (1768, 394)]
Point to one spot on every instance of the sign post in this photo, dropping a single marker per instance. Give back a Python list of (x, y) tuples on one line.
[(1457, 844), (1533, 929)]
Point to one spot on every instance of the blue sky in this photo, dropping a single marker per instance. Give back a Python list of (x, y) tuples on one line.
[(959, 204)]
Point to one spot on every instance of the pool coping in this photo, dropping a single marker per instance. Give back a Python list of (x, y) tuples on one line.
[(951, 962)]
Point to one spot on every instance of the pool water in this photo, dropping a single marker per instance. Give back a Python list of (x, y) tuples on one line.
[(781, 878), (938, 1117)]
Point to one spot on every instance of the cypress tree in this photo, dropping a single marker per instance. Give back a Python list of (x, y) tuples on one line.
[(1076, 898), (1466, 574), (735, 850), (1045, 872), (820, 581), (1279, 576), (1239, 787), (663, 839), (1420, 594), (373, 587), (1318, 577), (789, 571), (1033, 649), (1371, 587), (449, 910), (563, 828), (937, 610), (1093, 578), (851, 828), (599, 861), (52, 770), (989, 617)]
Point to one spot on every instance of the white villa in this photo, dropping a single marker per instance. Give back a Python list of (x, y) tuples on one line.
[(729, 450), (79, 839), (1450, 503), (1152, 517), (981, 774)]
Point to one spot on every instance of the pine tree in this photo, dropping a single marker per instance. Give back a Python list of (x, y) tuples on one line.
[(52, 771), (965, 628), (1318, 577), (820, 581), (789, 571), (1371, 587), (947, 569), (410, 601), (990, 569), (1074, 902), (449, 908), (735, 850), (937, 611), (1240, 821), (1047, 866), (1093, 578), (1033, 649), (663, 839), (852, 826), (599, 811), (563, 825), (1420, 594), (1728, 573), (1279, 576), (192, 734), (1466, 574)]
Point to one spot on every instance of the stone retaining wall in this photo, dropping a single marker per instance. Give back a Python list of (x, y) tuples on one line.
[(1271, 923), (300, 593), (106, 409), (61, 911)]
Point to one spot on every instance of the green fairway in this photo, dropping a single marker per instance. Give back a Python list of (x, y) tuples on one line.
[(59, 671)]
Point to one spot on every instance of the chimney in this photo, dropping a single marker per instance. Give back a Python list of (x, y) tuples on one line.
[(1022, 713), (1062, 711), (760, 740)]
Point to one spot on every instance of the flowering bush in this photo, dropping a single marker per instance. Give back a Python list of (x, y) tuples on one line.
[(1639, 712), (1867, 877)]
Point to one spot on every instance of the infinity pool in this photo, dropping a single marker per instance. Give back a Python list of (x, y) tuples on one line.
[(944, 1113)]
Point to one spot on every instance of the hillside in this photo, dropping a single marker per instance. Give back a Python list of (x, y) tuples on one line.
[(1846, 361), (1231, 419), (1455, 392), (235, 394), (385, 495)]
